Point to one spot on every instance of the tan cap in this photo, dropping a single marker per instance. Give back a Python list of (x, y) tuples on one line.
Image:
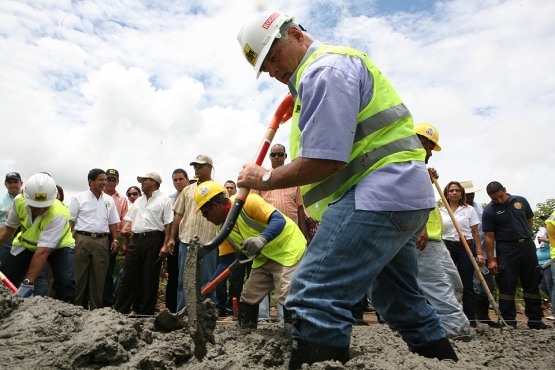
[(151, 175), (202, 159), (469, 187)]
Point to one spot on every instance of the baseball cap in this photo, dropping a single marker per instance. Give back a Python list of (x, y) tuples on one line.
[(201, 159), (112, 173), (151, 175), (13, 175), (469, 187)]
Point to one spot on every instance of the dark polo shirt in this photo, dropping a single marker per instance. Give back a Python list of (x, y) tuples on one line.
[(509, 221)]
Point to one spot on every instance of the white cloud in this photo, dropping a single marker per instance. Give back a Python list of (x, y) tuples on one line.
[(140, 86)]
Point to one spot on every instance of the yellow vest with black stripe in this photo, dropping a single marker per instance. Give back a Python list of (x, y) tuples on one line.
[(29, 235), (384, 135), (286, 249), (551, 219), (434, 226)]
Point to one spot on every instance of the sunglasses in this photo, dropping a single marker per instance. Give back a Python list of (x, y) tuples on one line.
[(132, 194), (205, 212), (279, 154), (198, 166)]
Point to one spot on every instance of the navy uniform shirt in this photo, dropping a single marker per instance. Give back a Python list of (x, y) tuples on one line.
[(509, 221)]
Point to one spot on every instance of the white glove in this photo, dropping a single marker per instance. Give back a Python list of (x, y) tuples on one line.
[(24, 290), (254, 245)]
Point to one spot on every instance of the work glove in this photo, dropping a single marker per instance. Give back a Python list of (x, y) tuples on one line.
[(254, 245), (24, 290)]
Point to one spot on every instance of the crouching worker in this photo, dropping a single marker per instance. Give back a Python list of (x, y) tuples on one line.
[(45, 235), (262, 231)]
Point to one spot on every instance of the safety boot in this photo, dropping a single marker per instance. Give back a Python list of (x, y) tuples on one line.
[(442, 350), (482, 311), (247, 317), (303, 352)]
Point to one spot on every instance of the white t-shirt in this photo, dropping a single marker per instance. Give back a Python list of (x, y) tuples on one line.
[(466, 217)]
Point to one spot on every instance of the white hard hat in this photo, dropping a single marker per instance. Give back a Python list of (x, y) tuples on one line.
[(40, 190), (257, 35)]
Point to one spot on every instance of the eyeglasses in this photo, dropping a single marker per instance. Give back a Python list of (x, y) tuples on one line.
[(279, 154), (198, 166), (132, 194)]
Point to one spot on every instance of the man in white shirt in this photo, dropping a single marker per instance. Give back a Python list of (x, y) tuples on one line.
[(93, 217), (150, 221)]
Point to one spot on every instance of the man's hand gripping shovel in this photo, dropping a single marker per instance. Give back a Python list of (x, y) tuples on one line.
[(200, 309)]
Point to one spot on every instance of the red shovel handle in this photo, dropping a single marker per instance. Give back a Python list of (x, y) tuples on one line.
[(7, 282)]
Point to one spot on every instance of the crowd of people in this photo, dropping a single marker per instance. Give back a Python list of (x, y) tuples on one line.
[(353, 212)]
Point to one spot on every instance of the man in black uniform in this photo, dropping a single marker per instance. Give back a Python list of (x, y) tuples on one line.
[(508, 219)]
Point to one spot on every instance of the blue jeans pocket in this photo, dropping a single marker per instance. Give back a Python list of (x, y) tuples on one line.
[(406, 221)]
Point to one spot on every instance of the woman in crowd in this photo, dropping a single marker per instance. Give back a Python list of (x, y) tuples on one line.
[(468, 221), (133, 193)]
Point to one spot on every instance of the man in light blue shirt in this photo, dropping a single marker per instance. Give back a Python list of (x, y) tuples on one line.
[(13, 184)]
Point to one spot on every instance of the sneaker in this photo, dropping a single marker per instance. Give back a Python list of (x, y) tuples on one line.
[(550, 317)]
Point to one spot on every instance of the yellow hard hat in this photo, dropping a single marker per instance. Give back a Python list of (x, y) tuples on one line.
[(206, 191), (429, 132)]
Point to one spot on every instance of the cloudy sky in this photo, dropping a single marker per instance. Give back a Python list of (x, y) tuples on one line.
[(147, 85)]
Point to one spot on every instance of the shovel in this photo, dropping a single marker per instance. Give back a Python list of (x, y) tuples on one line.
[(202, 316)]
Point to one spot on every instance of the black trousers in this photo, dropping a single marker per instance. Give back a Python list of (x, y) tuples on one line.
[(518, 260), (141, 264), (173, 274)]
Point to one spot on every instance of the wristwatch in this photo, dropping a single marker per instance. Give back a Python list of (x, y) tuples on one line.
[(27, 282), (266, 180)]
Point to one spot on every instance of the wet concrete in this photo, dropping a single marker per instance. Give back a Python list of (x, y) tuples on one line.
[(42, 333)]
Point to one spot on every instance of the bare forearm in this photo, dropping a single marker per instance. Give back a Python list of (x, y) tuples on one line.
[(5, 233), (489, 245), (301, 171), (37, 263), (477, 241), (175, 225)]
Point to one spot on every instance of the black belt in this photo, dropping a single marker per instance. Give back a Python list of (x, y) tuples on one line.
[(456, 244), (522, 240), (92, 235), (142, 235)]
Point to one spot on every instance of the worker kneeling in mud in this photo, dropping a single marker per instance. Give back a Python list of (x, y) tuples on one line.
[(262, 231)]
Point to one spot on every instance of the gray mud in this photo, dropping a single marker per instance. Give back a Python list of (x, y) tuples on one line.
[(42, 333)]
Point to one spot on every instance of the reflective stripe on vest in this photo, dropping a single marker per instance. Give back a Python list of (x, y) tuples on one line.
[(29, 237), (287, 248), (384, 135)]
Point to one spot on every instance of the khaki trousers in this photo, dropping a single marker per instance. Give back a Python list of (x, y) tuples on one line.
[(92, 257)]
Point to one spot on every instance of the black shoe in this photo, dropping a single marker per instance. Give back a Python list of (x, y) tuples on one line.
[(303, 352), (247, 318), (538, 326), (368, 305), (442, 350)]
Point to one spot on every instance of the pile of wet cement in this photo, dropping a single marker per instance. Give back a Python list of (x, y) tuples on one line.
[(43, 333)]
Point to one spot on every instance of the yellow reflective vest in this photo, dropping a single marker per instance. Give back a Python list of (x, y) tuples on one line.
[(384, 135), (29, 235), (434, 226), (286, 249)]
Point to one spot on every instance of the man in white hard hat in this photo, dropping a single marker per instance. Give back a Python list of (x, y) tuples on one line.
[(45, 235), (362, 173)]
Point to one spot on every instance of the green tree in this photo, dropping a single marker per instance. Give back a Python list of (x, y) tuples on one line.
[(545, 208)]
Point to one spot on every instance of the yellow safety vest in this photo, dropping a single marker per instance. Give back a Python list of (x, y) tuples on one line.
[(434, 226), (384, 135), (286, 249), (29, 235)]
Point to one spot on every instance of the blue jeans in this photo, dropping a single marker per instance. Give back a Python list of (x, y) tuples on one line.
[(548, 287), (61, 261), (209, 266), (354, 251), (221, 289), (5, 249), (264, 310)]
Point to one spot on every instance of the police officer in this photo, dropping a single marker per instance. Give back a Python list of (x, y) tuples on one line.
[(508, 220)]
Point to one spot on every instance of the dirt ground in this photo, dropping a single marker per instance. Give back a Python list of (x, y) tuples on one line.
[(42, 333)]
